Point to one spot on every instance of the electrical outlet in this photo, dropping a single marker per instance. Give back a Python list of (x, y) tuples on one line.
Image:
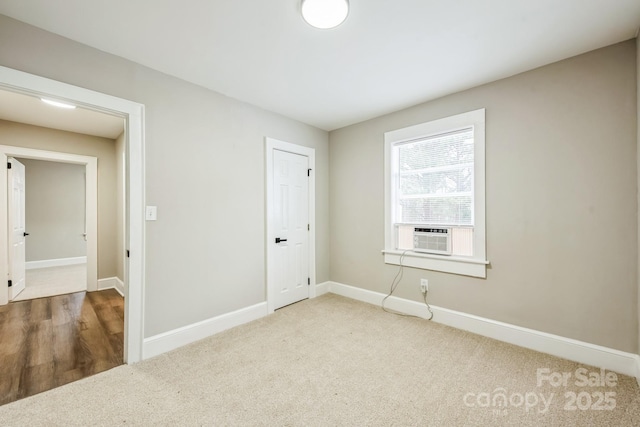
[(424, 285)]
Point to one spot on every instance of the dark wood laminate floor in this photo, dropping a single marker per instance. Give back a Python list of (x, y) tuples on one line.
[(49, 342)]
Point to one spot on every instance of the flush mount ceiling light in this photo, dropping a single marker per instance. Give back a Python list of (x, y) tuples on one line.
[(57, 103), (325, 14)]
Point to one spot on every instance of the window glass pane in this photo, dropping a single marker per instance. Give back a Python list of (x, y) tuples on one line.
[(439, 182), (435, 179), (441, 150), (456, 210)]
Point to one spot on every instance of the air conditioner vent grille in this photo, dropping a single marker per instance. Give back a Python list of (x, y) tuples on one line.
[(435, 240)]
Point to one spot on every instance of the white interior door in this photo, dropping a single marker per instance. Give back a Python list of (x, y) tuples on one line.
[(16, 219), (291, 227)]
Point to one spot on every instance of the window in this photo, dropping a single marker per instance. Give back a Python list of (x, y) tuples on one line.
[(434, 179)]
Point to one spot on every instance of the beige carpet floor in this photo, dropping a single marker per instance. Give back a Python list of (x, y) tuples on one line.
[(334, 361)]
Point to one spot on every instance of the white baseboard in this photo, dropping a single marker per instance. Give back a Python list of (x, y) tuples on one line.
[(322, 288), (31, 265), (167, 341), (119, 286), (567, 348), (111, 283)]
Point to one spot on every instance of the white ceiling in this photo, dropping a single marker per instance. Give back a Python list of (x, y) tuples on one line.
[(386, 56), (21, 108)]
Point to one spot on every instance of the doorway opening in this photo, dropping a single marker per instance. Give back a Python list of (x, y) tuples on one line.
[(55, 214), (54, 330), (133, 115), (58, 223)]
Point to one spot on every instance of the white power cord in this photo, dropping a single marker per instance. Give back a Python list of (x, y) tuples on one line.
[(394, 285)]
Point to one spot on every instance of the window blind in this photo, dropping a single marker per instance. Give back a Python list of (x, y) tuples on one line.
[(435, 179)]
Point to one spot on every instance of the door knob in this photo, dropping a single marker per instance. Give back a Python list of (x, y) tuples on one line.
[(25, 234), (278, 240)]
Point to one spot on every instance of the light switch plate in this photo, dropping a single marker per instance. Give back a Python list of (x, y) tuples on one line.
[(151, 213)]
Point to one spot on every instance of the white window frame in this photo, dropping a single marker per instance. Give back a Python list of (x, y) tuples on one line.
[(475, 265)]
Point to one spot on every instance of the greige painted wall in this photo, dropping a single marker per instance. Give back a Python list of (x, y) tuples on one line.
[(55, 210), (205, 255), (21, 135), (561, 201)]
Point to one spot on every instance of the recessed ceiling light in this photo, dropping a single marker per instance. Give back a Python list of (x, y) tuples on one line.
[(58, 104), (325, 14)]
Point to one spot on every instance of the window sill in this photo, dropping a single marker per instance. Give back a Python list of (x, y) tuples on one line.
[(447, 264)]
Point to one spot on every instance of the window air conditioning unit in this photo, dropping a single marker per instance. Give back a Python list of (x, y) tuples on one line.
[(432, 240)]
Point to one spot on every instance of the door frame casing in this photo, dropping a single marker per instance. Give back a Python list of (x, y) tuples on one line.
[(272, 144), (91, 200), (133, 115)]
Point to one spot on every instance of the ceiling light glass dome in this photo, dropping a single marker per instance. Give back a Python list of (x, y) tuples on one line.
[(325, 14)]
